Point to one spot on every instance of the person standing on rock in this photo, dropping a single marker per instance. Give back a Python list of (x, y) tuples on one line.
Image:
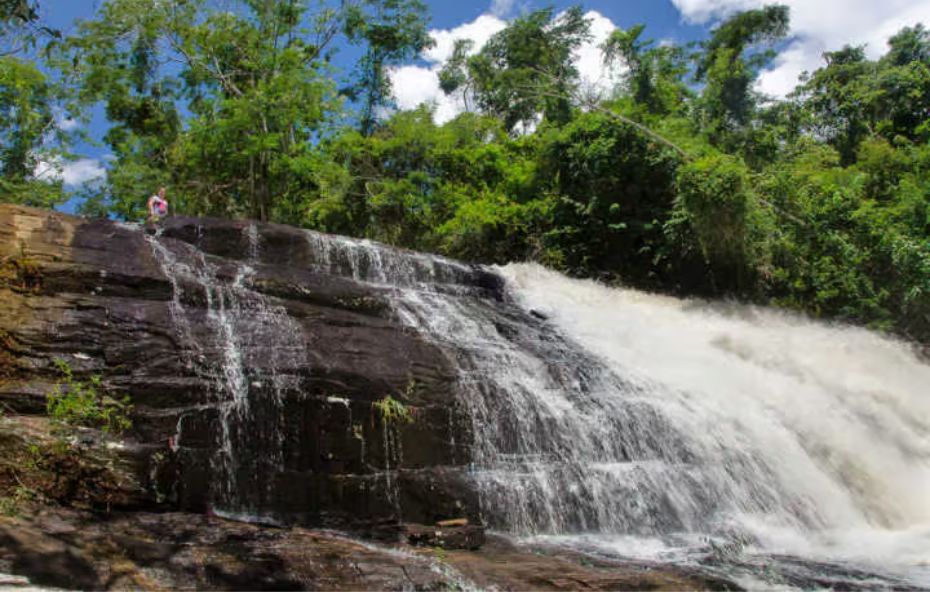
[(158, 206)]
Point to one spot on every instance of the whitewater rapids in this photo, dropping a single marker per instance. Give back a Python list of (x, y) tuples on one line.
[(828, 425)]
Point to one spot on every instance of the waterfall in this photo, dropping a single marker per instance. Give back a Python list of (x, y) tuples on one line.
[(614, 421), (683, 420), (778, 420), (651, 426)]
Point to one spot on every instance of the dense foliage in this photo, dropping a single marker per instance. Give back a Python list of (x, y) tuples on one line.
[(683, 179)]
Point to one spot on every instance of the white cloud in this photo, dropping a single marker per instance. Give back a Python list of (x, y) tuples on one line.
[(818, 26), (67, 124), (479, 31), (415, 85), (589, 58), (701, 11), (73, 173), (64, 122)]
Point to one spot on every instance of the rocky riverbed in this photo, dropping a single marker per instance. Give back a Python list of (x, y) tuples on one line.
[(61, 548)]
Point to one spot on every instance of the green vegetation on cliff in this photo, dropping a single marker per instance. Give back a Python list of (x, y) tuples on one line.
[(683, 179)]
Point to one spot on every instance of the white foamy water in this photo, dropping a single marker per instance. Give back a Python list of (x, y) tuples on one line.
[(798, 438)]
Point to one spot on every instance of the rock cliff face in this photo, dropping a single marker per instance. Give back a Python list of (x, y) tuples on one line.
[(269, 373)]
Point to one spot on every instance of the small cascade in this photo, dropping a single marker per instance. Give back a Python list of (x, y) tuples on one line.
[(393, 460), (367, 261), (254, 242), (244, 327)]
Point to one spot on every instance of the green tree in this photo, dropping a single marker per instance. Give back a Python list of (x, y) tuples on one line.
[(715, 196), (729, 63), (851, 97), (904, 83), (615, 188), (117, 59), (654, 75), (21, 29), (839, 98), (27, 127), (15, 17), (391, 31), (453, 77), (31, 143), (255, 83), (526, 71)]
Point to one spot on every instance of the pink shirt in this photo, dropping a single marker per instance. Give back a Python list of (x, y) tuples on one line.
[(159, 205)]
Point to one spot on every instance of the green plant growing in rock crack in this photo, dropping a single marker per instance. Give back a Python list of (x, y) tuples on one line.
[(393, 411), (79, 403)]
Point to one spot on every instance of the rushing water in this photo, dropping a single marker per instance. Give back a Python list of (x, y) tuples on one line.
[(749, 443), (777, 436)]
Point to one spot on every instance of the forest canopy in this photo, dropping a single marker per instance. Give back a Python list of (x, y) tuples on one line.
[(682, 179)]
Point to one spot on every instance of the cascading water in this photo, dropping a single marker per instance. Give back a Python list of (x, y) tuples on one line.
[(240, 323), (650, 426), (753, 444)]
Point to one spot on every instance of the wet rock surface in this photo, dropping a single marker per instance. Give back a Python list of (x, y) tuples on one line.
[(195, 552), (177, 551), (503, 565), (301, 328), (463, 536)]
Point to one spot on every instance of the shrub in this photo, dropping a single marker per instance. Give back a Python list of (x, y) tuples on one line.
[(74, 402)]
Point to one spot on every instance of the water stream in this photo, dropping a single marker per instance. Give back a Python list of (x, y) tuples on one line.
[(767, 446)]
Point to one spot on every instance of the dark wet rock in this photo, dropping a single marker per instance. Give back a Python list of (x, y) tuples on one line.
[(139, 551), (503, 565), (315, 451), (466, 536)]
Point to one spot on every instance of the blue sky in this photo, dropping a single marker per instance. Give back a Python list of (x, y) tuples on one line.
[(663, 18), (817, 26)]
